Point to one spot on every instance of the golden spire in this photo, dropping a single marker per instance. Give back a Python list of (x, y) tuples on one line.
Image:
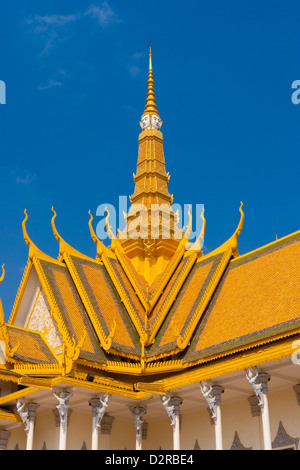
[(150, 107)]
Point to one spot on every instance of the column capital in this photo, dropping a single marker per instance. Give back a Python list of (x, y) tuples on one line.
[(32, 407), (296, 389), (4, 436), (176, 402), (254, 405), (106, 423)]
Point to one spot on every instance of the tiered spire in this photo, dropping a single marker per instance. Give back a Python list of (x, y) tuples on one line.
[(151, 179), (157, 222), (150, 107)]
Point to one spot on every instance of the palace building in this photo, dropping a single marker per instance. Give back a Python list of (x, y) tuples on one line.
[(153, 344)]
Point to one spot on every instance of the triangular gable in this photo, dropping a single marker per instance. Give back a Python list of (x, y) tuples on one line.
[(40, 319), (257, 299), (25, 298), (68, 309)]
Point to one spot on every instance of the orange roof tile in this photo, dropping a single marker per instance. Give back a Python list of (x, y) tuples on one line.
[(258, 297), (30, 346), (186, 303), (104, 303)]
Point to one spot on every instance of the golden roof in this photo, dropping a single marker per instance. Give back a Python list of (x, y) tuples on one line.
[(133, 313)]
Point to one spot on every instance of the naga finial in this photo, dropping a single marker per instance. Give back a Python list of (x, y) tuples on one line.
[(32, 247), (197, 245), (93, 235), (3, 273), (189, 226), (25, 234), (55, 232), (241, 222), (108, 227)]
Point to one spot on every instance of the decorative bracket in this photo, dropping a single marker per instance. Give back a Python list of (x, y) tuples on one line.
[(259, 383), (107, 343), (171, 405), (212, 395), (138, 412), (63, 398), (71, 353), (24, 413), (99, 406)]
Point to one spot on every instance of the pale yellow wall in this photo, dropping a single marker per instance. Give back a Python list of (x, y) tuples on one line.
[(235, 417), (283, 407), (122, 435), (159, 434), (17, 437)]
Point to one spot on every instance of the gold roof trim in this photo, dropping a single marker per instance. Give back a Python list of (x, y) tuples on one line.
[(34, 251), (64, 247), (101, 248), (232, 241)]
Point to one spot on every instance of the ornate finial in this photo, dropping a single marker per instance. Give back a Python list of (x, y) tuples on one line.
[(2, 318), (101, 248), (108, 227), (151, 106), (197, 245), (25, 234), (62, 243), (3, 274), (33, 250), (189, 226), (55, 232), (64, 247), (150, 118), (241, 223), (93, 235)]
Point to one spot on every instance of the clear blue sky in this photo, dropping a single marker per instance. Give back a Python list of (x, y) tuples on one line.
[(76, 74)]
